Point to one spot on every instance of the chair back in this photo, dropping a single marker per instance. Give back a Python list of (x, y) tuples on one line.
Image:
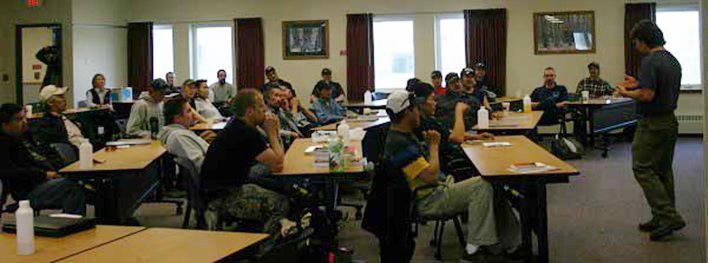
[(83, 104), (3, 198), (193, 182), (66, 151)]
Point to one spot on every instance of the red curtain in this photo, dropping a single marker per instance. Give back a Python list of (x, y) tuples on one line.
[(485, 41), (139, 56), (634, 13), (250, 53), (360, 55)]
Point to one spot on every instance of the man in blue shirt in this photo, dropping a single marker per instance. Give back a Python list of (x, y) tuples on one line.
[(326, 108), (656, 92), (550, 98)]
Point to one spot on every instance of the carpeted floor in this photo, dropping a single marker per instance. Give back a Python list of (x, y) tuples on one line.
[(591, 219)]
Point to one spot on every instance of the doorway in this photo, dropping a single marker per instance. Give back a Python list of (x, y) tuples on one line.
[(38, 60)]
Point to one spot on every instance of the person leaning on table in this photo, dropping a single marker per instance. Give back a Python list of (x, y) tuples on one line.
[(656, 91)]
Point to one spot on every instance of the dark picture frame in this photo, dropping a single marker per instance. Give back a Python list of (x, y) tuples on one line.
[(570, 32), (308, 39)]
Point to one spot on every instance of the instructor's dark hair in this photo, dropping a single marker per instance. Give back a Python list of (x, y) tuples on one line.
[(649, 33), (8, 111)]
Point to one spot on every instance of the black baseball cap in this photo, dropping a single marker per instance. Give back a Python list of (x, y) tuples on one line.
[(436, 74), (480, 65), (410, 83), (326, 71), (269, 69), (450, 77), (159, 85), (466, 72), (593, 65)]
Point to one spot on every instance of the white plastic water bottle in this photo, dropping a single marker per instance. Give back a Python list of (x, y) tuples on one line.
[(343, 132), (85, 154), (24, 218), (527, 103), (482, 118), (367, 97)]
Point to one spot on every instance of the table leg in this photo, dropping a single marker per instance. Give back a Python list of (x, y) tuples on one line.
[(526, 222), (331, 198), (591, 122), (542, 221)]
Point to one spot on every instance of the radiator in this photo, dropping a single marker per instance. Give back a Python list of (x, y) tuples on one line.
[(690, 124)]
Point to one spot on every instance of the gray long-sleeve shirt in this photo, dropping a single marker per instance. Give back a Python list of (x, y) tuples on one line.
[(140, 114)]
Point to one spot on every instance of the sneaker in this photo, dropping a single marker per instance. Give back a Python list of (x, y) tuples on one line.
[(482, 255), (648, 226), (663, 231)]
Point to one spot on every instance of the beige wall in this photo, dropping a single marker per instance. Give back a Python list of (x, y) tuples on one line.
[(524, 69), (14, 13), (100, 43)]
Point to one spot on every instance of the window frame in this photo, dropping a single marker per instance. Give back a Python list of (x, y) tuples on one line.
[(437, 32), (174, 51), (683, 7), (193, 44), (393, 18)]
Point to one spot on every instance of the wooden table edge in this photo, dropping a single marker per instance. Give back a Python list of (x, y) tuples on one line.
[(99, 245)]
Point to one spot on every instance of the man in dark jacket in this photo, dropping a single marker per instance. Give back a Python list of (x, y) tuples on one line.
[(26, 174), (54, 127)]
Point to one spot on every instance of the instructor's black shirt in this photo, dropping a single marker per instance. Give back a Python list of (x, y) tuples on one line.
[(661, 72)]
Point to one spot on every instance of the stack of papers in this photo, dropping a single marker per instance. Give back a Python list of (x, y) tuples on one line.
[(535, 167), (129, 142), (496, 144)]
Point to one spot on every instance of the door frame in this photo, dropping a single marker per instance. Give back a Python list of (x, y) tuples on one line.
[(18, 55)]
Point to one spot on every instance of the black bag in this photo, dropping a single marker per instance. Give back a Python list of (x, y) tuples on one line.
[(564, 148)]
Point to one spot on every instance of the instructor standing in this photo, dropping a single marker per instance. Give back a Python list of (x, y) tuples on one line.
[(656, 92)]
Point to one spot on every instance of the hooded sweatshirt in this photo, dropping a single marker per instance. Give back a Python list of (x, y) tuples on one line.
[(142, 111), (184, 144)]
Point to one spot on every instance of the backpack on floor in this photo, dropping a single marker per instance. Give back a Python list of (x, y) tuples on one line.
[(565, 148)]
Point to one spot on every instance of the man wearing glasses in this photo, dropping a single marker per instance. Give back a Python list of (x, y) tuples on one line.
[(550, 98)]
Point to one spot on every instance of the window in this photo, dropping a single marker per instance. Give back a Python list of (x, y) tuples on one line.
[(450, 43), (212, 51), (680, 26), (394, 60), (162, 51)]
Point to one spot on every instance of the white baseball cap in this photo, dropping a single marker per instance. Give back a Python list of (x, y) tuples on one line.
[(51, 90), (398, 101)]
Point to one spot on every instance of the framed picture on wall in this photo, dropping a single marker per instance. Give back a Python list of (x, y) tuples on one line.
[(306, 39), (564, 32)]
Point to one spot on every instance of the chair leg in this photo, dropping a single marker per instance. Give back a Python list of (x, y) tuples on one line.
[(458, 229), (438, 252), (433, 239), (187, 215)]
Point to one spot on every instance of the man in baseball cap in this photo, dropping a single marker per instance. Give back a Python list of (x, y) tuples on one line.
[(148, 109), (275, 81), (596, 86), (54, 127), (337, 90), (475, 196)]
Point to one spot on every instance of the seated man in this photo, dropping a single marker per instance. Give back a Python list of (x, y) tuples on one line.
[(445, 112), (274, 80), (326, 108), (148, 109), (221, 91), (480, 76), (26, 174), (550, 98), (189, 93), (204, 106), (304, 117), (437, 80), (337, 91), (491, 220), (178, 139), (594, 84), (450, 138), (274, 98), (470, 86), (226, 172), (54, 127)]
